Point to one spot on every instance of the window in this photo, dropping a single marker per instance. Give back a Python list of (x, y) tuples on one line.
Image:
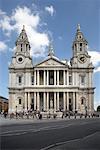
[(21, 47), (51, 77), (82, 79), (20, 79), (70, 78), (19, 100), (82, 101), (61, 77), (80, 46), (32, 80)]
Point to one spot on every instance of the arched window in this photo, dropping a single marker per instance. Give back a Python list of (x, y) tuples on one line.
[(20, 101), (83, 100)]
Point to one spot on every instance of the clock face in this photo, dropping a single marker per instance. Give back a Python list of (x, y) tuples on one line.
[(20, 59), (82, 58)]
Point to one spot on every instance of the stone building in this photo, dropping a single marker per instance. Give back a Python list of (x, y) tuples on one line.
[(51, 85), (3, 104)]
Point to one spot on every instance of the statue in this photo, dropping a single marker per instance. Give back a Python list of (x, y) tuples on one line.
[(51, 103)]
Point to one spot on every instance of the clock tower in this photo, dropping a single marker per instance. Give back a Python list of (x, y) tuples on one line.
[(21, 57), (80, 55)]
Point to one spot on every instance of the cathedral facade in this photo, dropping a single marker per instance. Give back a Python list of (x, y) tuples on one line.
[(51, 85)]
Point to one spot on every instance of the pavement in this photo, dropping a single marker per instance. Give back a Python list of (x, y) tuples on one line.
[(8, 121), (50, 134)]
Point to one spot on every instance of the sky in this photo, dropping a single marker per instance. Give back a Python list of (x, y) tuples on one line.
[(45, 21)]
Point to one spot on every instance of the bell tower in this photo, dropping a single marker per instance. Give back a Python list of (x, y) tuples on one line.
[(22, 44), (21, 57), (80, 57), (80, 44)]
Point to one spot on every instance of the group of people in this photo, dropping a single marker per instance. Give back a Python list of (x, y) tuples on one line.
[(36, 114)]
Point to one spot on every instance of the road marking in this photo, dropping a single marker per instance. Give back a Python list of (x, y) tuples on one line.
[(64, 142), (34, 130), (56, 127)]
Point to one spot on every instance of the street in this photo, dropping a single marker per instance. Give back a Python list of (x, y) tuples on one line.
[(57, 134)]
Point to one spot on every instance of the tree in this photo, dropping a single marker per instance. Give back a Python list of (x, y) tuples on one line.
[(98, 108)]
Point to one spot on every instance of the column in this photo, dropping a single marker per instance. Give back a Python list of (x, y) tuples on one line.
[(54, 77), (57, 77), (76, 101), (67, 78), (64, 98), (73, 101), (67, 101), (44, 101), (25, 101), (57, 100), (34, 77), (44, 76), (38, 101), (47, 101), (35, 101), (37, 77), (29, 100), (47, 77), (73, 82), (64, 77)]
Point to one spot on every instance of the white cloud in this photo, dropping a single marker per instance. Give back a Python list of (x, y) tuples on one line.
[(32, 21), (95, 58), (3, 46), (50, 10), (97, 69)]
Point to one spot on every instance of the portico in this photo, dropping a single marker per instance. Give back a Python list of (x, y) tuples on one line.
[(46, 101)]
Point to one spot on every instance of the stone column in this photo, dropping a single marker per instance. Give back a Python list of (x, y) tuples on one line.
[(67, 100), (67, 78), (77, 101), (44, 101), (29, 100), (38, 101), (57, 77), (34, 77), (47, 101), (25, 101), (37, 77), (35, 101), (54, 77), (64, 98), (44, 76), (73, 101), (47, 77), (64, 77), (73, 82), (57, 100)]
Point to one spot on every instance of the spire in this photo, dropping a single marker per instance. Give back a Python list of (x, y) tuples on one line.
[(22, 37), (22, 43), (78, 27), (23, 27), (51, 50)]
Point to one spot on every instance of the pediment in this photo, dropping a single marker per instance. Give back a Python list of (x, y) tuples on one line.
[(51, 62)]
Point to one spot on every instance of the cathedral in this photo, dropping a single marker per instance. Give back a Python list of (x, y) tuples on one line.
[(51, 85)]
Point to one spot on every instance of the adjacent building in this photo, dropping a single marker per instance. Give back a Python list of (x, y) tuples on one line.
[(51, 85), (3, 104)]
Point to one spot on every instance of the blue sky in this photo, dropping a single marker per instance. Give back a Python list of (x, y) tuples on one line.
[(46, 20)]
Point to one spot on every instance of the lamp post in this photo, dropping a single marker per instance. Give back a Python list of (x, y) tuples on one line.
[(16, 112), (85, 111)]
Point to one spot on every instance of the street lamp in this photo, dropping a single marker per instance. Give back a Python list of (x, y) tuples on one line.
[(16, 111)]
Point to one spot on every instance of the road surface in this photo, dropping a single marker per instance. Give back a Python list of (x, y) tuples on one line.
[(59, 134)]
